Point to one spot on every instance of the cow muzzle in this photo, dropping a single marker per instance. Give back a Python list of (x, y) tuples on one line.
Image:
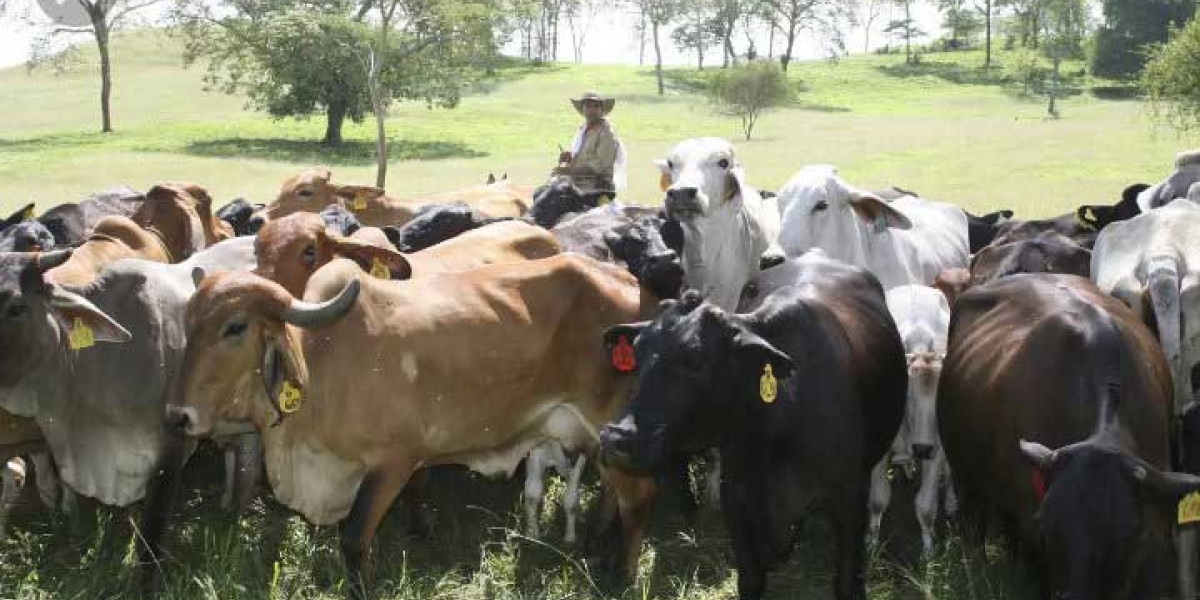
[(683, 203), (181, 420), (623, 447)]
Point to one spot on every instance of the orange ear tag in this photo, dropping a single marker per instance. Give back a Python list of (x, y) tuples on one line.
[(380, 270), (768, 386), (81, 336), (622, 356)]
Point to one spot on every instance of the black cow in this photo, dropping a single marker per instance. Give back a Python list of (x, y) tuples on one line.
[(802, 393), (555, 200), (17, 217), (1082, 226), (629, 236), (238, 214), (26, 236), (981, 230), (72, 223), (1040, 361), (1050, 252), (435, 223)]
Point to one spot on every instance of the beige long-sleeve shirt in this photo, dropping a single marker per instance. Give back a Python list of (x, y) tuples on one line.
[(592, 166)]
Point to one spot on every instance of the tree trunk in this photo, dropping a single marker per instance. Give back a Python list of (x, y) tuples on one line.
[(100, 28), (987, 20), (727, 39), (657, 58), (908, 27), (700, 56), (335, 116), (642, 40), (770, 40), (786, 57), (1053, 109), (381, 152)]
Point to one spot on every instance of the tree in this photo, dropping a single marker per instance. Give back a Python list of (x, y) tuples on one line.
[(296, 60), (1025, 66), (1064, 26), (905, 28), (580, 16), (960, 21), (100, 18), (1129, 26), (868, 12), (794, 16), (987, 11), (749, 90), (1171, 80), (658, 13), (695, 32), (726, 14)]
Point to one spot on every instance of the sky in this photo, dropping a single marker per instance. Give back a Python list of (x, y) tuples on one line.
[(610, 38)]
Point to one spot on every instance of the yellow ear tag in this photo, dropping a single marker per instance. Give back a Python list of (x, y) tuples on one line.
[(768, 386), (290, 398), (380, 270), (360, 203), (81, 336), (29, 214), (1189, 508), (605, 199), (664, 182)]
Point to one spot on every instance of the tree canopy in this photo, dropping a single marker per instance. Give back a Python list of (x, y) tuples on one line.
[(1131, 25)]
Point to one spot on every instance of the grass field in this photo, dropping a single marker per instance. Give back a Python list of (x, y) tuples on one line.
[(944, 128)]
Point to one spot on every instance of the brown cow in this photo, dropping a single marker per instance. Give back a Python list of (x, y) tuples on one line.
[(291, 249), (1038, 362), (369, 379), (174, 222), (496, 199)]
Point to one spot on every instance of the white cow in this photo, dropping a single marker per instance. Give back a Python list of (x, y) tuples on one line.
[(1152, 263), (906, 241), (727, 226), (1176, 185), (922, 315)]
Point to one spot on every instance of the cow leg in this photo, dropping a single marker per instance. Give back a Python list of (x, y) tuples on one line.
[(744, 511), (635, 499), (571, 498), (535, 489), (951, 501), (12, 481), (418, 499), (48, 485), (1186, 538), (376, 494), (713, 483), (249, 468), (879, 497), (926, 500), (850, 523), (231, 465)]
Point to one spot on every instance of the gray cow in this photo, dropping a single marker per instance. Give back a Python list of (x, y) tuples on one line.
[(95, 362), (1152, 263)]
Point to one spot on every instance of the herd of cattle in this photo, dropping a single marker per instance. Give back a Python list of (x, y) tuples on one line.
[(1041, 375)]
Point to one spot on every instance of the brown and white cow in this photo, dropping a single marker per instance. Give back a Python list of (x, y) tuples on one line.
[(368, 380), (174, 222)]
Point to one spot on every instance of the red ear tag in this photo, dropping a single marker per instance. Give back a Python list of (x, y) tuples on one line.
[(622, 356), (1039, 484)]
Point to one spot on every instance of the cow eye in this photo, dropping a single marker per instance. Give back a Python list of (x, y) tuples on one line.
[(234, 328), (15, 309), (304, 193), (822, 205), (310, 255), (723, 163)]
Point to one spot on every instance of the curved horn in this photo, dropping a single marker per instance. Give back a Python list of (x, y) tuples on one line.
[(48, 260), (308, 314)]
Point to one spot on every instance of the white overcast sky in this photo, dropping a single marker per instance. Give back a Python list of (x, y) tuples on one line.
[(610, 39)]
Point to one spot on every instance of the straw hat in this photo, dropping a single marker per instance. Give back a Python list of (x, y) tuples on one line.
[(606, 104)]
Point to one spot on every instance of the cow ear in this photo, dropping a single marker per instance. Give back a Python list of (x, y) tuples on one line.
[(664, 180), (24, 214), (876, 213), (72, 310), (735, 183), (629, 331), (393, 235), (373, 259), (1169, 485), (1038, 455), (757, 353), (352, 192)]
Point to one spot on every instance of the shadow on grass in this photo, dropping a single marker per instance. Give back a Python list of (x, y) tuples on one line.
[(1117, 92), (949, 71), (349, 153), (508, 70)]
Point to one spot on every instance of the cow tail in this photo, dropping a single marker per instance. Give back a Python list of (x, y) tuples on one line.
[(157, 511)]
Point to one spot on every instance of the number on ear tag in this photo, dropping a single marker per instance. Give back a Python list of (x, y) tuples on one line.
[(664, 182), (290, 398), (768, 386), (380, 270), (81, 336), (622, 356), (1189, 508)]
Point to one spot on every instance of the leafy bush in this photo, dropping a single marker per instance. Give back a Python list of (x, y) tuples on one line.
[(749, 90)]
